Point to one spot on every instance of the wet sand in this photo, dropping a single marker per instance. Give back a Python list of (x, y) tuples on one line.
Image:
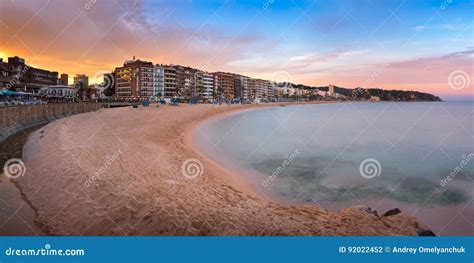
[(120, 172), (17, 217)]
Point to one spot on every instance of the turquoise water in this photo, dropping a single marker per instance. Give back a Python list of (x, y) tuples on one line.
[(315, 153)]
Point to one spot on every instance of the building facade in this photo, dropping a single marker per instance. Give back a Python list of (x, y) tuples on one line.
[(207, 86), (59, 92), (192, 84), (134, 81), (226, 86), (270, 90), (188, 82), (158, 81), (64, 79), (16, 75), (242, 87), (170, 82)]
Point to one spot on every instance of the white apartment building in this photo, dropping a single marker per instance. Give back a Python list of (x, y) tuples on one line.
[(270, 90), (158, 81), (207, 86), (145, 82)]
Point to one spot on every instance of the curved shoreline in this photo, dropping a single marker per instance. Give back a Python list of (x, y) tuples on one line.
[(237, 173), (143, 191), (191, 143)]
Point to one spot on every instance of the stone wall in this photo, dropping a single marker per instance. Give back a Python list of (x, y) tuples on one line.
[(16, 118)]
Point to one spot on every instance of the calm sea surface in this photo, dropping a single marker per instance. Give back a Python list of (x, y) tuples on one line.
[(382, 155)]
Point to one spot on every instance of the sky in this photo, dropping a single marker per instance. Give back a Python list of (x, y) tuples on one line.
[(419, 45)]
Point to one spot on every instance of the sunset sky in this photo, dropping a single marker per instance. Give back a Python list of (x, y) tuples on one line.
[(414, 45)]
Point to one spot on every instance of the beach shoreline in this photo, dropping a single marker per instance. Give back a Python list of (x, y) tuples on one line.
[(192, 144), (122, 174)]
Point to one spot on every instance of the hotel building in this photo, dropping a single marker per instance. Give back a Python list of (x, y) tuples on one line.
[(135, 80)]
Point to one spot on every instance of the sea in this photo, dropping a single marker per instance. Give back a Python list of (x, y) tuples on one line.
[(415, 156)]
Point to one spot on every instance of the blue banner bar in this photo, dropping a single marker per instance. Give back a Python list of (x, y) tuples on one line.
[(237, 249)]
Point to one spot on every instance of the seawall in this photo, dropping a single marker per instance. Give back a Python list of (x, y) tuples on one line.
[(16, 118)]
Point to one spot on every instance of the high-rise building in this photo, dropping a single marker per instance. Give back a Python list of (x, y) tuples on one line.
[(64, 79), (170, 82), (207, 86), (226, 85), (256, 89), (158, 81), (242, 87), (192, 84), (217, 86), (135, 80), (188, 82), (261, 89), (179, 79), (270, 90)]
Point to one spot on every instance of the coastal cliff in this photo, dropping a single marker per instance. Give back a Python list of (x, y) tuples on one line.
[(120, 172)]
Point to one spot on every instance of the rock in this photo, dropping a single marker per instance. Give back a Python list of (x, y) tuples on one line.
[(425, 233), (369, 210), (392, 212)]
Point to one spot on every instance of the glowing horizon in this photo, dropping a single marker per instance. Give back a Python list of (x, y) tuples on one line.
[(423, 45)]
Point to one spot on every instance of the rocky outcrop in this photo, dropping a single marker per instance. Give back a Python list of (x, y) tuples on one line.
[(392, 212)]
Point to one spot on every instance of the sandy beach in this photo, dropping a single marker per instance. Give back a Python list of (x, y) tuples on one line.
[(120, 172)]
